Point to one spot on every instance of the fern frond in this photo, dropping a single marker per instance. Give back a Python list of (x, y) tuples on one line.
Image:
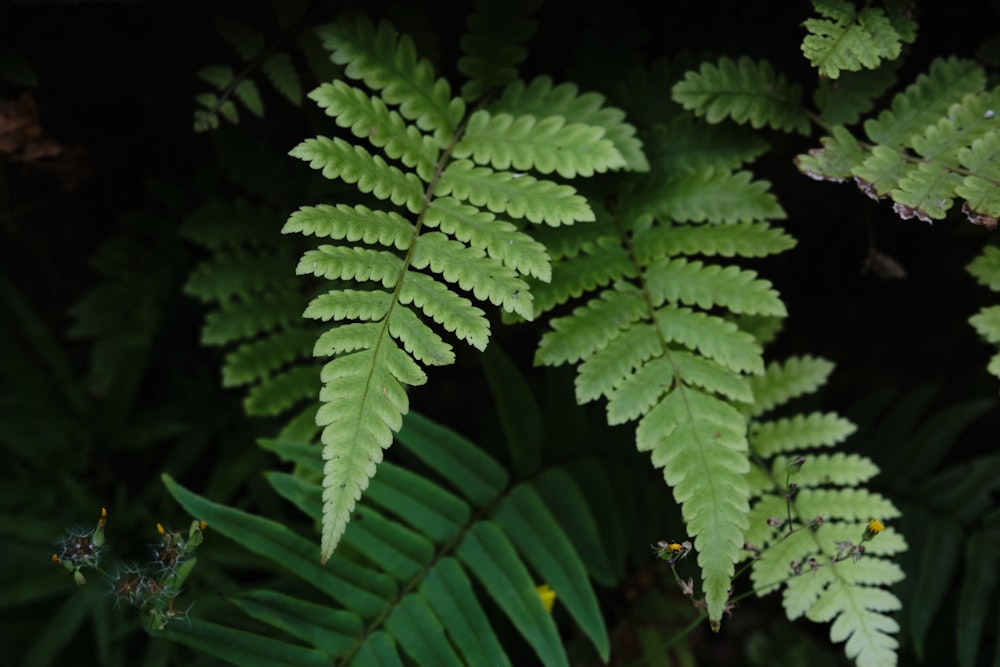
[(694, 283), (700, 443), (742, 239), (937, 143), (781, 383), (547, 145), (369, 118), (816, 538), (925, 101), (656, 335), (848, 39), (542, 99), (283, 76), (388, 63), (338, 159), (724, 197), (744, 90), (492, 46), (481, 229), (434, 254), (516, 195), (258, 359)]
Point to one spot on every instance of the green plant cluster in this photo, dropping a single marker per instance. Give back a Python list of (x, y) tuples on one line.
[(614, 236)]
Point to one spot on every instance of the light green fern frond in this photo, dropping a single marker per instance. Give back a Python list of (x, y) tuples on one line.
[(814, 532), (447, 237), (937, 143), (655, 333), (745, 91), (849, 39)]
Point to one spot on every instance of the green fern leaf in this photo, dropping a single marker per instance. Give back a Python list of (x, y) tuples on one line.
[(814, 430), (449, 592), (490, 556), (351, 223), (237, 320), (259, 358), (547, 145), (743, 239), (685, 143), (492, 46), (720, 196), (473, 270), (246, 91), (359, 425), (703, 456), (848, 39), (745, 91), (435, 261), (540, 98), (837, 159), (987, 323), (925, 101), (596, 267), (590, 327), (283, 76), (277, 393), (600, 373), (781, 383), (815, 538), (219, 76), (986, 268), (369, 118), (481, 229), (712, 337), (694, 283), (516, 195), (390, 65), (453, 312), (332, 262), (925, 192), (979, 189), (353, 164)]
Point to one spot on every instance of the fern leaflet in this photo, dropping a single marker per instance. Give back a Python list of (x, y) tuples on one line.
[(812, 530)]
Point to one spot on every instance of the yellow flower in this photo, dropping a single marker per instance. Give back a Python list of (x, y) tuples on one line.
[(873, 528), (547, 595)]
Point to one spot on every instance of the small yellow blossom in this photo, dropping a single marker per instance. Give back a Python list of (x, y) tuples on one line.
[(873, 528), (547, 595), (159, 528)]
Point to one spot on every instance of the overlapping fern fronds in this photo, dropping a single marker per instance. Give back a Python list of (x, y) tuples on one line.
[(937, 143), (450, 193), (850, 39), (811, 527), (404, 581), (249, 279), (655, 333)]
